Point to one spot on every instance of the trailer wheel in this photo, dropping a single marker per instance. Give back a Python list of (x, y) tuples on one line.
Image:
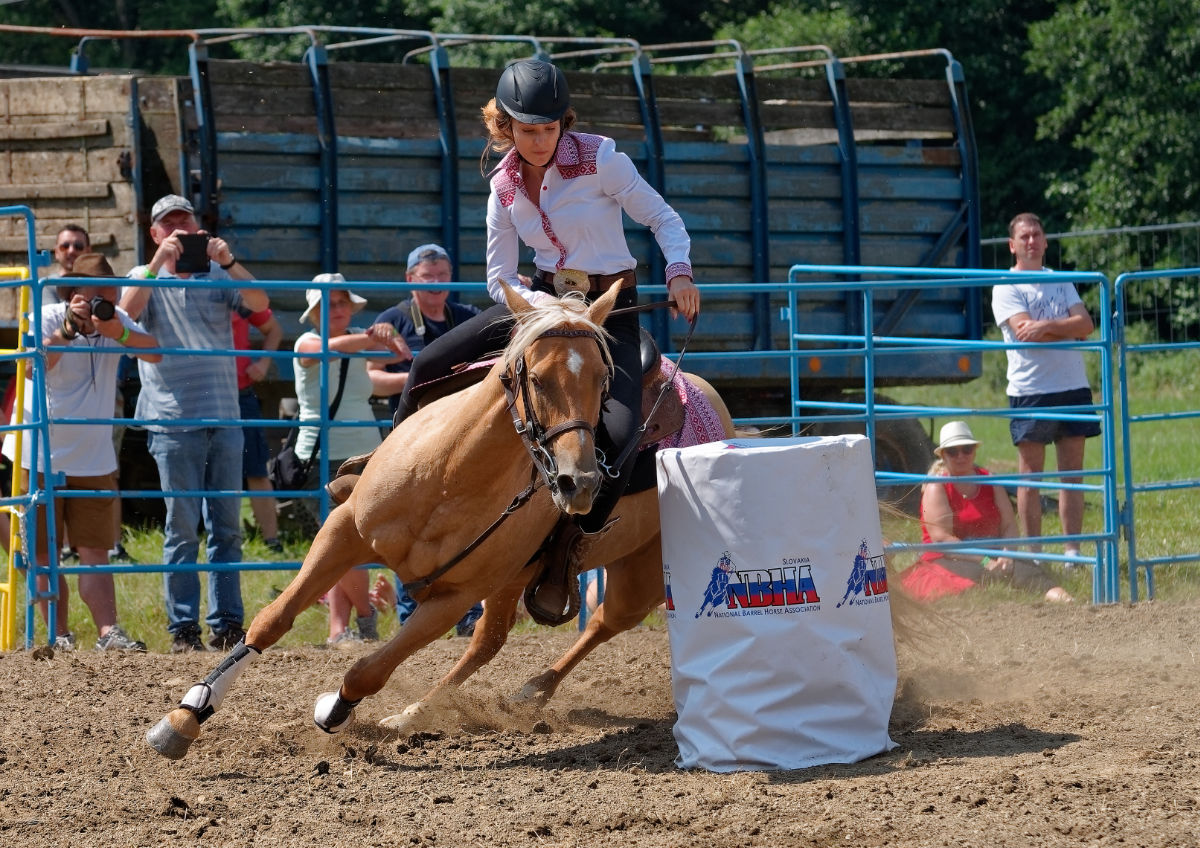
[(901, 444)]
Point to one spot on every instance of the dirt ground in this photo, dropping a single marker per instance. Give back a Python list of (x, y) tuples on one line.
[(1021, 725)]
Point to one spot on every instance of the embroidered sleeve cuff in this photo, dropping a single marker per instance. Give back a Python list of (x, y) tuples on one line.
[(678, 269)]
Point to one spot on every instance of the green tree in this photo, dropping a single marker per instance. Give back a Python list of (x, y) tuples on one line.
[(1129, 73), (145, 54)]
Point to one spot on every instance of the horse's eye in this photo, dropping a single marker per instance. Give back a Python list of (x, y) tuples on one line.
[(536, 382)]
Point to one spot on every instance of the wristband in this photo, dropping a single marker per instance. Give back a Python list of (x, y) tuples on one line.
[(147, 274), (124, 337), (232, 262)]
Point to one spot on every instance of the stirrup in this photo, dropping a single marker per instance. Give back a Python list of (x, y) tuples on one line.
[(354, 465), (342, 484), (340, 487), (557, 583)]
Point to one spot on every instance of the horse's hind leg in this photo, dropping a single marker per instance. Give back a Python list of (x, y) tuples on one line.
[(491, 632), (336, 549), (634, 587)]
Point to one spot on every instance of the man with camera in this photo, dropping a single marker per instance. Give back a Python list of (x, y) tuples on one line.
[(82, 335), (181, 398)]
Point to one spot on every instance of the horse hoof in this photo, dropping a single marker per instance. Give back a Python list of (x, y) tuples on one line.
[(536, 690), (174, 734), (332, 712), (405, 721)]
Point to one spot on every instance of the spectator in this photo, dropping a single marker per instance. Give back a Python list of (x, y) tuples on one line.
[(1044, 312), (83, 386), (71, 241), (350, 388), (419, 320), (961, 510), (255, 452), (186, 387)]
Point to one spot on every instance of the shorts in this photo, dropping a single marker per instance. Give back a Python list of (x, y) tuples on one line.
[(1050, 430), (91, 522), (255, 452)]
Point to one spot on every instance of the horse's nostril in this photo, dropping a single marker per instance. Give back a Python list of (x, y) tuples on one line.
[(566, 484)]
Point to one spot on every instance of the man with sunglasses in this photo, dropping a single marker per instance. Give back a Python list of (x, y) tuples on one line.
[(72, 240), (1044, 312)]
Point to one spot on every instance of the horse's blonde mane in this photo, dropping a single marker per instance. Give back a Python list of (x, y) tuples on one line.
[(571, 309)]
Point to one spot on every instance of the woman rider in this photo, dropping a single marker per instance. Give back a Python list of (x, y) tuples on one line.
[(562, 193)]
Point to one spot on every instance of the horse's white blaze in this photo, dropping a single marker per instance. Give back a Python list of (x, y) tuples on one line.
[(575, 362)]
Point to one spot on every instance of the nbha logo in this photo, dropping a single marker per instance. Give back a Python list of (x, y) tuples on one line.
[(756, 590), (868, 578)]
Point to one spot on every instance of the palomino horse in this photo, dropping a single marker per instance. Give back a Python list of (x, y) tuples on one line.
[(418, 505)]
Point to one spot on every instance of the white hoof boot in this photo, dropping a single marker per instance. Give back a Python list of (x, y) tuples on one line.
[(332, 712), (406, 721)]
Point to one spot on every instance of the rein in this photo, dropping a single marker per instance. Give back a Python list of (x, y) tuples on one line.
[(535, 437)]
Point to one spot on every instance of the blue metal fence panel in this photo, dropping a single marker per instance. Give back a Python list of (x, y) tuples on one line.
[(1163, 307), (873, 349)]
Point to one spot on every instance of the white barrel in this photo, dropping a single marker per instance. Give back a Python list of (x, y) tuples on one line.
[(782, 654)]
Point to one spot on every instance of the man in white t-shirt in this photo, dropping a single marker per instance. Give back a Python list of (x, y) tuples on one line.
[(1044, 312), (82, 334)]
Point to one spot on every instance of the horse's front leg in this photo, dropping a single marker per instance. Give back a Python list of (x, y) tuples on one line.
[(432, 617), (491, 632), (634, 587), (336, 549)]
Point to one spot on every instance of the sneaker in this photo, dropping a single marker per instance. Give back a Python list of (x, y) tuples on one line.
[(346, 639), (274, 546), (368, 628), (119, 554), (224, 640), (117, 639), (187, 639), (65, 642)]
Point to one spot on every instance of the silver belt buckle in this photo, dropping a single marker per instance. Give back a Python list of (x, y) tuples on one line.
[(570, 280)]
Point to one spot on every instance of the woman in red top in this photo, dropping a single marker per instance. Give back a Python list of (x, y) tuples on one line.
[(958, 511)]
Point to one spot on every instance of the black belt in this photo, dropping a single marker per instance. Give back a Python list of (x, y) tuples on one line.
[(597, 283)]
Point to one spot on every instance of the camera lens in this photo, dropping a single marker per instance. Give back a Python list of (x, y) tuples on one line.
[(102, 309)]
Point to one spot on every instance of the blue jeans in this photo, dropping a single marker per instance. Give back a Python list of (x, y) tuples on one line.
[(209, 459), (405, 606)]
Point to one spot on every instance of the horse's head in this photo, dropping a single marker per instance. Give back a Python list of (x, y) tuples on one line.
[(557, 369)]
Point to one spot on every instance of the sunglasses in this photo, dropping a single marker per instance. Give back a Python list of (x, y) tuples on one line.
[(67, 245), (965, 450)]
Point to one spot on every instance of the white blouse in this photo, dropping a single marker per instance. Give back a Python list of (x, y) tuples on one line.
[(578, 224)]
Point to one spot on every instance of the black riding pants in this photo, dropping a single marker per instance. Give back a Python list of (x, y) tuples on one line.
[(489, 332)]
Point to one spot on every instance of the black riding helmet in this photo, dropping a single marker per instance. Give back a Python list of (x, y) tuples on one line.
[(533, 92)]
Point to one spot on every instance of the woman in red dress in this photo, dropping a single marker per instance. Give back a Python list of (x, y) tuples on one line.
[(961, 510)]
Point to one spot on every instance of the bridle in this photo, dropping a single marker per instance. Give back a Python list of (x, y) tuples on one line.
[(534, 435), (536, 439)]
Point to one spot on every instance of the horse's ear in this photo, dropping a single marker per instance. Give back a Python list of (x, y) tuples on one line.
[(603, 305), (516, 303)]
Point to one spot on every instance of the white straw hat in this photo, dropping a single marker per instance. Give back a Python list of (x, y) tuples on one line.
[(313, 296), (953, 434)]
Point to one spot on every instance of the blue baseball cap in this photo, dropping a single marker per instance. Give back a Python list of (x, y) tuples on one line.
[(427, 253)]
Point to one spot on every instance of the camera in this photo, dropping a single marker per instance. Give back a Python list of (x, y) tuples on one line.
[(102, 310)]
